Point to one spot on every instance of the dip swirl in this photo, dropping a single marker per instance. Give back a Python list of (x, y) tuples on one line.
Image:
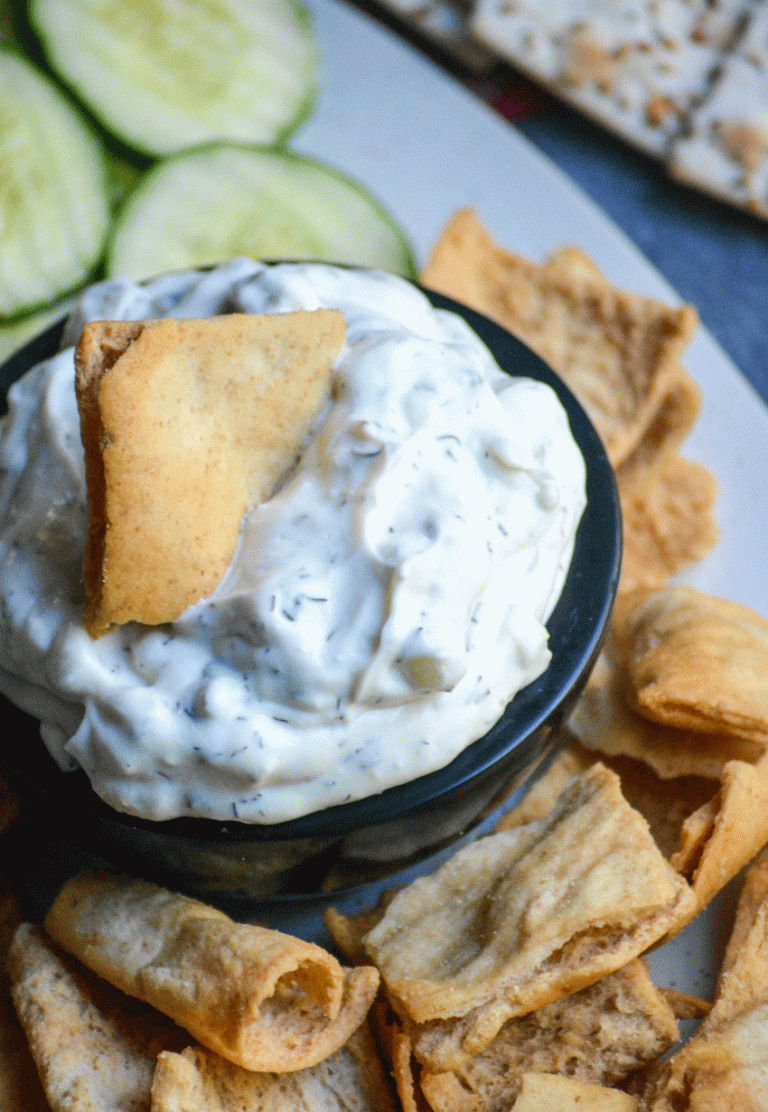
[(382, 607)]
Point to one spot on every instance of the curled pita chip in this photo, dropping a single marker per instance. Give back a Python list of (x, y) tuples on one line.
[(199, 1081), (545, 1092), (695, 661), (618, 352), (523, 917), (600, 1035), (668, 521), (186, 424), (95, 1048), (262, 999)]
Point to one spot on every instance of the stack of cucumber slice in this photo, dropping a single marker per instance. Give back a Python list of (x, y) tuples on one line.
[(185, 105)]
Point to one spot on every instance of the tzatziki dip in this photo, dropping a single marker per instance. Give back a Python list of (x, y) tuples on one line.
[(382, 608)]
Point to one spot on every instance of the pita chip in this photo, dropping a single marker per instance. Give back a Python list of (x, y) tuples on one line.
[(546, 1092), (618, 352), (523, 917), (262, 999), (20, 1088), (668, 519), (723, 835), (198, 1080), (186, 424), (605, 723), (695, 661), (724, 1067), (95, 1048), (600, 1035)]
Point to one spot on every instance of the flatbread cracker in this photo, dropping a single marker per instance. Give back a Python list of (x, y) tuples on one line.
[(695, 662), (601, 1035), (197, 1080), (618, 352), (523, 917), (95, 1048), (264, 1000), (724, 149), (186, 424), (636, 74)]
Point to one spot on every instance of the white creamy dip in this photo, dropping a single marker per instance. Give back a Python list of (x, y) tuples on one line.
[(382, 608)]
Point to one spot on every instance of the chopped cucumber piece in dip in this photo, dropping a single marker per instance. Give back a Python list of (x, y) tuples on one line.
[(54, 202), (224, 200), (162, 75)]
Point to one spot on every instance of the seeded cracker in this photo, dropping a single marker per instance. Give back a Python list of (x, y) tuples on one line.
[(262, 999), (635, 69), (724, 151), (521, 918), (187, 423)]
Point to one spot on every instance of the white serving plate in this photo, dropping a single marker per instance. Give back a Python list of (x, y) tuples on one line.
[(426, 147)]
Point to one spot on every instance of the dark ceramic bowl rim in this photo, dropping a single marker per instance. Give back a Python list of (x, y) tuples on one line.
[(576, 628)]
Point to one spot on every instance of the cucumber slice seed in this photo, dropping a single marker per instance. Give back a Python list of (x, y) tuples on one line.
[(163, 75), (54, 195), (223, 200)]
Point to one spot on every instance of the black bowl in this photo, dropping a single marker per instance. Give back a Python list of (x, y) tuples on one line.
[(355, 842)]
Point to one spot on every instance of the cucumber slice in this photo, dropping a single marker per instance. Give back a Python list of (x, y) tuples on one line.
[(222, 200), (163, 75), (54, 199)]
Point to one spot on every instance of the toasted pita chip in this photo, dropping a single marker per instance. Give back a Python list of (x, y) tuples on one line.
[(664, 804), (685, 1006), (545, 1092), (618, 352), (695, 661), (753, 895), (541, 797), (94, 1047), (668, 521), (262, 999), (604, 723), (725, 1065), (199, 1081), (187, 423), (720, 838), (348, 931), (20, 1088), (523, 917), (601, 1035)]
